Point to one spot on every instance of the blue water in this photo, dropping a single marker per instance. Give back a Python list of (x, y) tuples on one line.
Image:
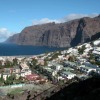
[(14, 50)]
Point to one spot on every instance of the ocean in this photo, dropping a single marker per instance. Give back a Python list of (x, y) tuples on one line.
[(18, 50)]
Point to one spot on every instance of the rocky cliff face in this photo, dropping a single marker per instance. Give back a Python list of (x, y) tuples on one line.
[(66, 34)]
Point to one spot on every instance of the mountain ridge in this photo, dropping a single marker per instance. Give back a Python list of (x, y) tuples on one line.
[(65, 34)]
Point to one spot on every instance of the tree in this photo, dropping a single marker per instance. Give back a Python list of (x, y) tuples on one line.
[(91, 43), (72, 58), (46, 61), (81, 49), (34, 62), (1, 79), (8, 64), (10, 79), (15, 61), (94, 74), (92, 56)]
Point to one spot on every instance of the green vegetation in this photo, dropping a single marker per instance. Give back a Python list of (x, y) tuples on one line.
[(15, 61), (93, 60), (91, 56), (11, 80), (8, 64), (81, 49), (72, 58), (16, 91), (45, 62), (1, 80), (55, 55), (34, 62)]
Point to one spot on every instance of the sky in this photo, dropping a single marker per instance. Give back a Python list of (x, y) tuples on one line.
[(15, 15)]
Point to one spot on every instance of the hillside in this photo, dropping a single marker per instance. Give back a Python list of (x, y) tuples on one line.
[(65, 34), (84, 90)]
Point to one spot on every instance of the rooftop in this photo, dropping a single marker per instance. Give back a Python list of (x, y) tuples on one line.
[(68, 73), (24, 66)]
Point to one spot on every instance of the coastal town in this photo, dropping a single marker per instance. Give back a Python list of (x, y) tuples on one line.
[(49, 69)]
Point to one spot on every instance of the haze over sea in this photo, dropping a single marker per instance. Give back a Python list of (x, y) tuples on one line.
[(18, 50)]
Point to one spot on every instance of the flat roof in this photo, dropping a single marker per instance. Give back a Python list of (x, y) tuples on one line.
[(68, 73), (24, 65), (87, 67), (90, 65)]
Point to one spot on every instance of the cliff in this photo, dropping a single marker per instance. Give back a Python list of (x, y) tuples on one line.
[(65, 34)]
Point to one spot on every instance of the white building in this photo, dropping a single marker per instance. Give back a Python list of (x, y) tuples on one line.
[(97, 42), (5, 75), (25, 69), (96, 51), (68, 74), (72, 51)]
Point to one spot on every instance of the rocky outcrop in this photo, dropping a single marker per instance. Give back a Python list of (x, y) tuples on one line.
[(65, 34)]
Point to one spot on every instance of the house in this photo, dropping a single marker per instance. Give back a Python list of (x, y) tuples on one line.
[(55, 65), (49, 70), (73, 51), (61, 57), (16, 69), (50, 63), (67, 74), (97, 42), (25, 69), (5, 75), (96, 51), (81, 60), (58, 66), (41, 61), (22, 74), (8, 70), (87, 68), (87, 45), (60, 78), (24, 66), (90, 65), (63, 52), (68, 69), (32, 77), (87, 50), (25, 72), (70, 64)]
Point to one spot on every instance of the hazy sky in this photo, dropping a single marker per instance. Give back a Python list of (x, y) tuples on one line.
[(17, 14)]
